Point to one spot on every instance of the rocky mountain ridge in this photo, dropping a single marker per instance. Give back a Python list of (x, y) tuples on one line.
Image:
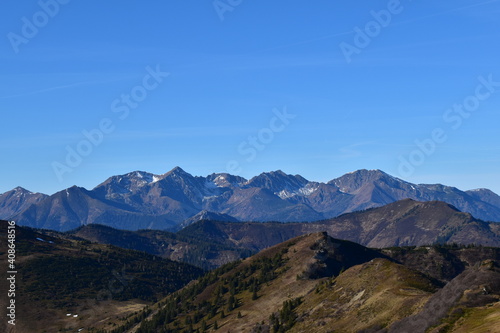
[(141, 200)]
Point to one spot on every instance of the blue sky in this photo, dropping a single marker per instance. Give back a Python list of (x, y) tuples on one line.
[(252, 86)]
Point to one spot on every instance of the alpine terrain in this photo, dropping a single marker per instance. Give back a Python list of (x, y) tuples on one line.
[(141, 200)]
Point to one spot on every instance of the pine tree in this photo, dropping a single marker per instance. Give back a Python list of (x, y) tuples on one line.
[(231, 303), (213, 311)]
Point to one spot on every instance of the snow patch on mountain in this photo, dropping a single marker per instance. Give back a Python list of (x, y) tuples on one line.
[(309, 189), (305, 191)]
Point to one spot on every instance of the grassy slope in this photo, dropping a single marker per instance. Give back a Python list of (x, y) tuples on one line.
[(484, 319), (99, 283), (371, 295), (357, 292), (270, 296)]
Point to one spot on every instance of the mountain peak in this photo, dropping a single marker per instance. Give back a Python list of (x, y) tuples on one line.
[(368, 172), (482, 189), (177, 170), (280, 183), (352, 181), (144, 178), (178, 174), (116, 186), (485, 195), (139, 174), (19, 190), (226, 180), (17, 200), (278, 173)]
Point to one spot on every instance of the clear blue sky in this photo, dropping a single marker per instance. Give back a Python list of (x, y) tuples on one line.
[(228, 79)]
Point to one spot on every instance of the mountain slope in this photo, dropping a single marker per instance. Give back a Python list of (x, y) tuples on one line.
[(73, 207), (257, 286), (475, 288), (188, 249), (485, 195), (207, 215), (95, 283), (314, 283), (442, 262), (261, 204), (409, 222)]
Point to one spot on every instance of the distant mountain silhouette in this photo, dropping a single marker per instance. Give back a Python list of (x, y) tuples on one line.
[(141, 200)]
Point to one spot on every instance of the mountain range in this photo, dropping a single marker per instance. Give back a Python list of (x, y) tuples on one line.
[(141, 200)]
